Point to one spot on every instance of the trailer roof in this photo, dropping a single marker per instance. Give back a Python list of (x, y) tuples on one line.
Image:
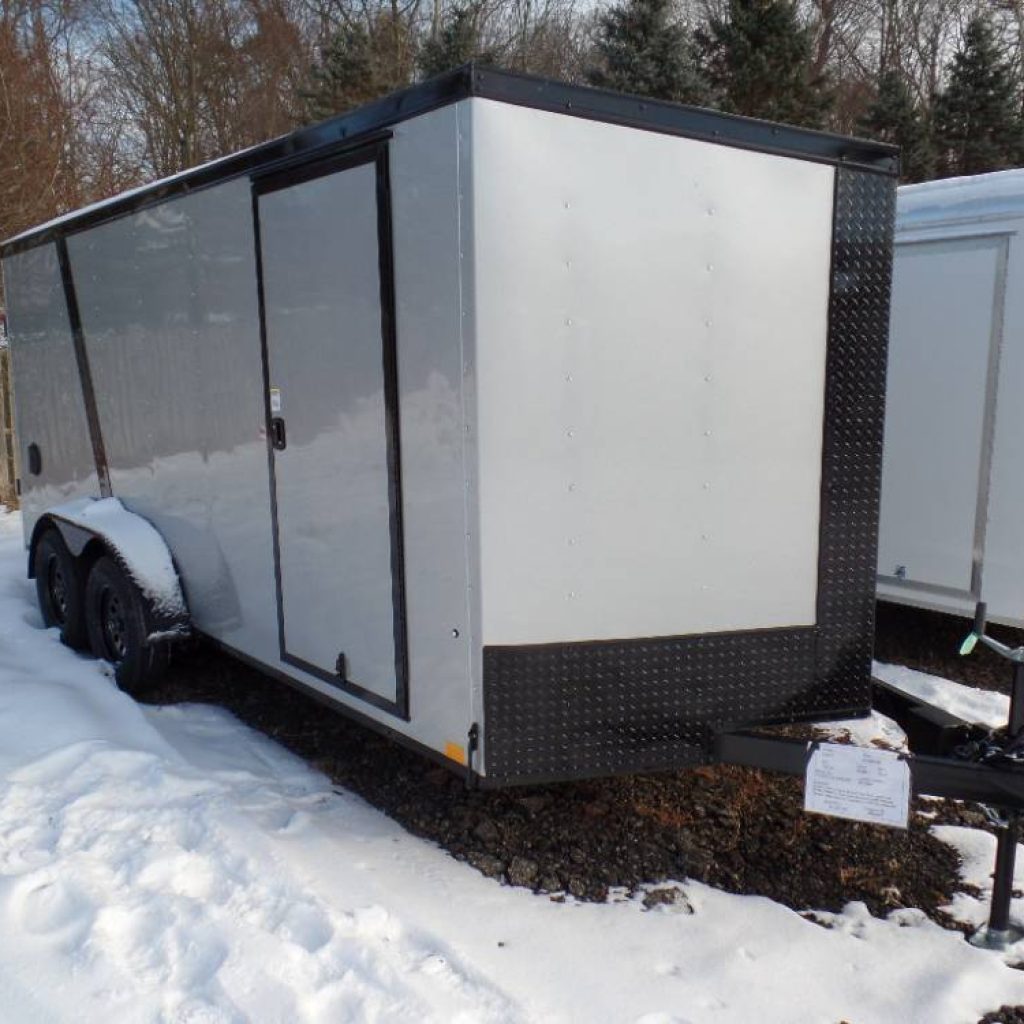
[(978, 197), (375, 118)]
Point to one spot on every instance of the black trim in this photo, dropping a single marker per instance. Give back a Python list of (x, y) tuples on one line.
[(360, 125), (92, 416), (691, 122), (268, 416), (309, 167), (377, 154), (392, 425)]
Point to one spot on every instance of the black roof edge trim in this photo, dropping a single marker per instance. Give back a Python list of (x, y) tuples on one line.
[(357, 126), (676, 119)]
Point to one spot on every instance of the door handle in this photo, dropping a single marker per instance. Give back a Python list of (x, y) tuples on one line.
[(35, 459), (278, 437)]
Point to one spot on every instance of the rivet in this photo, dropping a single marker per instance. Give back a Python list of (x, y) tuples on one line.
[(707, 379), (568, 378), (570, 434), (572, 487), (711, 211), (568, 322), (567, 204), (707, 433), (707, 323), (706, 486), (455, 634), (711, 266)]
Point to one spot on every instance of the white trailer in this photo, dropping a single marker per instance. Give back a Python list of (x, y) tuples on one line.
[(535, 425), (952, 521)]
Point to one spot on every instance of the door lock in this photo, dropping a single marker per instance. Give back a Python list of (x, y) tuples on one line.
[(278, 437)]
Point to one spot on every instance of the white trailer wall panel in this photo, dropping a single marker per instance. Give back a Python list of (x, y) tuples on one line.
[(650, 395), (169, 307)]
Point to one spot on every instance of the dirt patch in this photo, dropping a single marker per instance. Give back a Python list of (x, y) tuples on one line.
[(741, 830)]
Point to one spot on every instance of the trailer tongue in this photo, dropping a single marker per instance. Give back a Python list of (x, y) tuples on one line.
[(948, 757)]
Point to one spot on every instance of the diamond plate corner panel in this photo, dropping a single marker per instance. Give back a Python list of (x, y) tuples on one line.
[(854, 430), (561, 711)]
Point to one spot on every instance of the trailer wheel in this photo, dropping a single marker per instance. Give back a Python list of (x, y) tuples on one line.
[(115, 616), (60, 589)]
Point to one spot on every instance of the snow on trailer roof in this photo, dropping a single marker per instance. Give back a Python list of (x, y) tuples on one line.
[(978, 197), (375, 118)]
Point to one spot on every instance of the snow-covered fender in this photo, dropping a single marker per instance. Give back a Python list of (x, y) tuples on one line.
[(94, 527)]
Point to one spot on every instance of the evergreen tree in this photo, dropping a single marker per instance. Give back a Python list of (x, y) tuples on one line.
[(338, 81), (895, 117), (758, 61), (643, 48), (362, 61), (457, 43), (976, 123)]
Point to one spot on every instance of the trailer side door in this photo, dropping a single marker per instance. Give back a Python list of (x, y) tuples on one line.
[(943, 364), (327, 298)]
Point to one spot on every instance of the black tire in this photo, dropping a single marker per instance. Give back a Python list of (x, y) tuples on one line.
[(60, 589), (117, 623)]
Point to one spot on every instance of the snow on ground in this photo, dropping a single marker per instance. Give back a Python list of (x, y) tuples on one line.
[(170, 864), (982, 707), (978, 850)]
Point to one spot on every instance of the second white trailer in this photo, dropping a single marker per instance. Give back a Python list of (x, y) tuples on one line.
[(952, 518)]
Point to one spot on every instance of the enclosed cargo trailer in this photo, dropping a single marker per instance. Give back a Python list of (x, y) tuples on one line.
[(952, 519), (537, 425)]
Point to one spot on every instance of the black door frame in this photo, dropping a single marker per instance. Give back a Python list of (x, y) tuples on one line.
[(273, 181)]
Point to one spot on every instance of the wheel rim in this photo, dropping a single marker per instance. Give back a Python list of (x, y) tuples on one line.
[(57, 588), (115, 626)]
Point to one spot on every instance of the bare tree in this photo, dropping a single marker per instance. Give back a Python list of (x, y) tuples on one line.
[(56, 149), (200, 78)]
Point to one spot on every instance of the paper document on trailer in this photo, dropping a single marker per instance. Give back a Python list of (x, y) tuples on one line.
[(858, 783)]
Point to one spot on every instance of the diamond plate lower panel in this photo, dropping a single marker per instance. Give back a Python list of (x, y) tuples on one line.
[(575, 710)]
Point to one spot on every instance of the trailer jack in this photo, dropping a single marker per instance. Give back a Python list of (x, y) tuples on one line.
[(999, 933), (949, 757)]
